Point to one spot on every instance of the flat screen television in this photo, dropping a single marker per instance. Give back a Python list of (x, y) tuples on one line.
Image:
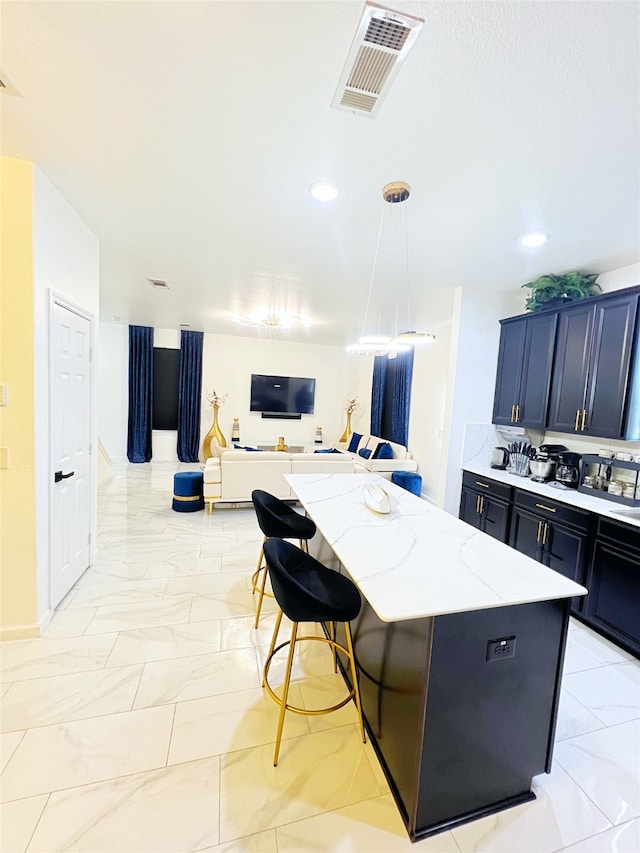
[(286, 394)]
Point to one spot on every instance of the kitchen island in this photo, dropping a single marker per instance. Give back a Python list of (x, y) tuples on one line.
[(460, 644)]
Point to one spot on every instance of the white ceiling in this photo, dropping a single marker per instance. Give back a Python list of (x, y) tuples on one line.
[(185, 134)]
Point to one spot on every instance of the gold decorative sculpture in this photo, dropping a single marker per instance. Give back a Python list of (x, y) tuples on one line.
[(215, 433), (350, 408)]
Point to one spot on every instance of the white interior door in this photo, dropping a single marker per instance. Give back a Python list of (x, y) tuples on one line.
[(70, 337)]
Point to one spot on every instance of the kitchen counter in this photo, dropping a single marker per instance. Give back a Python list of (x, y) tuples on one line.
[(459, 645), (573, 497)]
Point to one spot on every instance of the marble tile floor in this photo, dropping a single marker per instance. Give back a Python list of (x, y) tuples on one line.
[(138, 723)]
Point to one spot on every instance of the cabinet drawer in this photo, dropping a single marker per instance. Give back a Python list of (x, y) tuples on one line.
[(622, 534), (554, 511), (502, 491)]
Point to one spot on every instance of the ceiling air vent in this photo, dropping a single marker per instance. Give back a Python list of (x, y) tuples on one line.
[(158, 283), (380, 46)]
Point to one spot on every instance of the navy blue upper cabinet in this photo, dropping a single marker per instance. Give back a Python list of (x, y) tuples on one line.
[(592, 390), (523, 377)]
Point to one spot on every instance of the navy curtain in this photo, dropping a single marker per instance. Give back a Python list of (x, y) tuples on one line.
[(402, 398), (378, 387), (189, 394), (140, 393)]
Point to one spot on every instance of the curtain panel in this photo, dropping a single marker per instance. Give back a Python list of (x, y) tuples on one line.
[(378, 389), (140, 393), (402, 398), (189, 395)]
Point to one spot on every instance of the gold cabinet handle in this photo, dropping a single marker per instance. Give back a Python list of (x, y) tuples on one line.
[(481, 504), (544, 506), (545, 530), (584, 418), (518, 413), (539, 531), (575, 426), (477, 504), (513, 416), (484, 485)]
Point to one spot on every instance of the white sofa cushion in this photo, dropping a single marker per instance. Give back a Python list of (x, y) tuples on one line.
[(245, 470)]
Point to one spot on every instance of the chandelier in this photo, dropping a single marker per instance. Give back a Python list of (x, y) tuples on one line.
[(272, 319), (395, 193)]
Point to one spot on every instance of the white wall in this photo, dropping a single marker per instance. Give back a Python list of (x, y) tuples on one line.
[(228, 362), (627, 276), (474, 355), (428, 409), (66, 261), (113, 389)]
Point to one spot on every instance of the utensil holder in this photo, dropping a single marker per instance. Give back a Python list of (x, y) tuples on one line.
[(519, 464)]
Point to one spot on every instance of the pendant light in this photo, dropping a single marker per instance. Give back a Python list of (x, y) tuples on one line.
[(394, 193)]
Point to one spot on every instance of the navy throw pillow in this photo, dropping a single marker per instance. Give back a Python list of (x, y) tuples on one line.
[(242, 447), (365, 453), (355, 440), (383, 451), (327, 450)]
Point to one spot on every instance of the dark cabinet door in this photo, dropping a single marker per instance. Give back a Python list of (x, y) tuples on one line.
[(470, 507), (613, 604), (495, 518), (526, 533), (613, 334), (509, 372), (571, 368), (564, 552), (537, 362)]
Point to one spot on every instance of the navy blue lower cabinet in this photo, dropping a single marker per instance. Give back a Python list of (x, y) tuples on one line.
[(553, 534), (613, 604)]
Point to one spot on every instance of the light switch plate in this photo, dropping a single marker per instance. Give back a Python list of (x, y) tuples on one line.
[(4, 457)]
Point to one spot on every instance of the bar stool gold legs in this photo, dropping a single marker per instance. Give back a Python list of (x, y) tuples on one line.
[(354, 693), (255, 579)]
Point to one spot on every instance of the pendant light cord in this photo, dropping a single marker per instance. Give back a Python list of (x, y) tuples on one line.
[(375, 261)]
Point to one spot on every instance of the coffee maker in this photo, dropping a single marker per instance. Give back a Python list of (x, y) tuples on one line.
[(568, 470)]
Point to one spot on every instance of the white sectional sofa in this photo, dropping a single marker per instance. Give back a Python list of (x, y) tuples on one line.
[(232, 477), (401, 461)]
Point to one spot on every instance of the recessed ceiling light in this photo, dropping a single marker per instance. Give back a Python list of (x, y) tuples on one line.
[(324, 190), (538, 238)]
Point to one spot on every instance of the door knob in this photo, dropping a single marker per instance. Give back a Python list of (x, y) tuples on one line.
[(60, 476)]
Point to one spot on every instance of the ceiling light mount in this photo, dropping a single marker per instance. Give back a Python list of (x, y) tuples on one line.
[(396, 192)]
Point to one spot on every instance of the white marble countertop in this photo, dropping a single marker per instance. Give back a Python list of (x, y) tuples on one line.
[(419, 560), (573, 497)]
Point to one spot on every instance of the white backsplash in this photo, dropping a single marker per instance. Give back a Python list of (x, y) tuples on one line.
[(480, 440)]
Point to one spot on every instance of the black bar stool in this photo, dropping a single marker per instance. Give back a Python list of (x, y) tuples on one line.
[(307, 591), (278, 519)]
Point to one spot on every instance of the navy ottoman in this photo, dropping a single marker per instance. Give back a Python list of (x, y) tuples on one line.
[(187, 491), (408, 480)]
